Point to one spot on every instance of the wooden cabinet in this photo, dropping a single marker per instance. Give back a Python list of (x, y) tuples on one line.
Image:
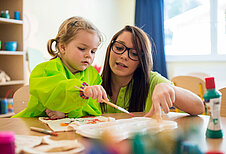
[(12, 62)]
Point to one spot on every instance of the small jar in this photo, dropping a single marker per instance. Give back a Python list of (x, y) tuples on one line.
[(17, 15), (7, 143), (2, 14), (7, 14), (10, 105)]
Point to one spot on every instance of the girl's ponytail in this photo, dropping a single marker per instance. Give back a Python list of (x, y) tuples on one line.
[(49, 48)]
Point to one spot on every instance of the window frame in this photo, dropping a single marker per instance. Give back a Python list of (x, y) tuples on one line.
[(214, 55)]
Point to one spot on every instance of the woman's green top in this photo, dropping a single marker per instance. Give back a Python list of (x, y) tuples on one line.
[(51, 85), (124, 97)]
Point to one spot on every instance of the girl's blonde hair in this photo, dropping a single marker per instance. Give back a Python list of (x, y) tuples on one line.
[(68, 31)]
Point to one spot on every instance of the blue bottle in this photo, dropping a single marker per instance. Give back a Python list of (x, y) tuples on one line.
[(212, 98), (4, 106)]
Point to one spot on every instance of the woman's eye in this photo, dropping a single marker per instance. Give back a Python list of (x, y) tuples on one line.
[(119, 48), (134, 53)]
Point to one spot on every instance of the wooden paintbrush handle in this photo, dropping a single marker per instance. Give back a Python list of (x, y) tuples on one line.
[(111, 104)]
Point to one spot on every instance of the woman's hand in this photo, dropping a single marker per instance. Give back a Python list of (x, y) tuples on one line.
[(163, 97), (96, 92), (54, 114)]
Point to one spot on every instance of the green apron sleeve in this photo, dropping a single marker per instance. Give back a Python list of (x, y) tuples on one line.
[(57, 95), (51, 86)]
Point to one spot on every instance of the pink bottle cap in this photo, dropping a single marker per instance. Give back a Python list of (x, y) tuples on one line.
[(210, 84), (6, 137), (214, 152)]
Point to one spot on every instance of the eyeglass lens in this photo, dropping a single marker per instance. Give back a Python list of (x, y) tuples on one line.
[(119, 48)]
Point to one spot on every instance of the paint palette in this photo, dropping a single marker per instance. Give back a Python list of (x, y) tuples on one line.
[(71, 124), (125, 128)]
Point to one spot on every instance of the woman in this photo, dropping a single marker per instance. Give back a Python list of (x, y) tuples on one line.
[(130, 83)]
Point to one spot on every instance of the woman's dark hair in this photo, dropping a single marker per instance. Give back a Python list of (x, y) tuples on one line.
[(141, 76)]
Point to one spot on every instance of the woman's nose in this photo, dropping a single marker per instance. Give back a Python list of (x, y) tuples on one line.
[(125, 55)]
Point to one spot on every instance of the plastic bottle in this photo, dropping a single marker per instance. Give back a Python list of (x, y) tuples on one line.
[(10, 105), (7, 142), (4, 106), (212, 98)]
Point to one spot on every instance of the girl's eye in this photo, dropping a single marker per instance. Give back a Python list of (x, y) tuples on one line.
[(92, 51), (82, 49)]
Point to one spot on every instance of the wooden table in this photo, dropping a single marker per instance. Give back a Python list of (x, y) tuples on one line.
[(21, 126), (7, 115)]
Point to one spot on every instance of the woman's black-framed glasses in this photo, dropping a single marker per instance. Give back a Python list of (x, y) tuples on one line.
[(120, 48)]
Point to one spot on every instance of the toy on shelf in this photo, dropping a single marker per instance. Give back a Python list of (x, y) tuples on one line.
[(4, 77), (5, 14)]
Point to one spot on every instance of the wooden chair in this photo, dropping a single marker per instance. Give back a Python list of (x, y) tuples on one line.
[(199, 75), (21, 98), (192, 83), (223, 101)]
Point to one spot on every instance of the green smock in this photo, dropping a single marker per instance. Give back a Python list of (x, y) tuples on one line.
[(51, 85), (124, 97)]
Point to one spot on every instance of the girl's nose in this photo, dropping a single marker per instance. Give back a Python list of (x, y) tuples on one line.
[(88, 54)]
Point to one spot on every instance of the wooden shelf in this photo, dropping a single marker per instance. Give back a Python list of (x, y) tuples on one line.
[(10, 21), (14, 82), (11, 52), (13, 63)]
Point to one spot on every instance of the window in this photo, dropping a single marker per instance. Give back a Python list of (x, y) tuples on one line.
[(221, 27), (195, 29)]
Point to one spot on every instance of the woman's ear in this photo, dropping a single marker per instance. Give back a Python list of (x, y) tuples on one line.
[(62, 48)]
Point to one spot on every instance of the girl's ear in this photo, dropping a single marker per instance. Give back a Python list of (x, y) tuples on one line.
[(62, 48)]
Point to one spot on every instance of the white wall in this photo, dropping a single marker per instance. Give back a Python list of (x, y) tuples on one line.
[(42, 19), (42, 22), (217, 69)]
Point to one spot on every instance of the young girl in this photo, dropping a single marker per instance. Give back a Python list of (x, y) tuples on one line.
[(130, 83), (51, 83)]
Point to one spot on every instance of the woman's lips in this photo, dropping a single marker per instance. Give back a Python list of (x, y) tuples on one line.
[(121, 64)]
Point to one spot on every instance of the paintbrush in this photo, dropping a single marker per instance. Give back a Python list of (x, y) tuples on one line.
[(44, 131), (109, 103)]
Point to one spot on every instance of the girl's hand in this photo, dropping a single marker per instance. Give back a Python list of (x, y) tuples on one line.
[(96, 92), (54, 114), (163, 97)]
